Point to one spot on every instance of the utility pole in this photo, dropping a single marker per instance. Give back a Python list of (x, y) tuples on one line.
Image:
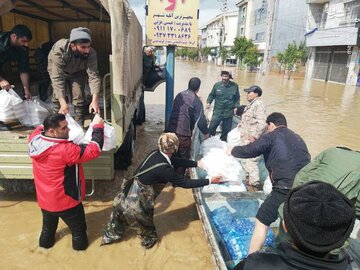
[(268, 38)]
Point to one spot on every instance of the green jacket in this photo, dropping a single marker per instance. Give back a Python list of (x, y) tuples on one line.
[(227, 98), (338, 167), (62, 64)]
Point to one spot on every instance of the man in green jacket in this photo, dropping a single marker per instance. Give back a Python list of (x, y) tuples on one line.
[(227, 99), (73, 61), (337, 166)]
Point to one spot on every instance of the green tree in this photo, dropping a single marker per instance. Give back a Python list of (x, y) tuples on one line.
[(304, 53), (224, 53), (292, 57), (252, 57), (192, 53), (205, 52), (240, 47)]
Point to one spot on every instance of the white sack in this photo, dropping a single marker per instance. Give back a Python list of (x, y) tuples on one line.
[(76, 133)]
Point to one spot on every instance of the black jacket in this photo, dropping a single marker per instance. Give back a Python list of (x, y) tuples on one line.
[(166, 173), (9, 53), (286, 257), (187, 109), (284, 151)]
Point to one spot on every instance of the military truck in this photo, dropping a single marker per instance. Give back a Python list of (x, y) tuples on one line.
[(117, 39)]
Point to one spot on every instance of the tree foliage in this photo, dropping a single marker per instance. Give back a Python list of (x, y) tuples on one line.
[(190, 53), (252, 57), (224, 54), (292, 57), (206, 51), (241, 46)]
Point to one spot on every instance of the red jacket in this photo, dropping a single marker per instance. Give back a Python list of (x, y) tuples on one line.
[(58, 173)]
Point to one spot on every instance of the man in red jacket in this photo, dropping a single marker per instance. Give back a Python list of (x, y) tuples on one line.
[(59, 177)]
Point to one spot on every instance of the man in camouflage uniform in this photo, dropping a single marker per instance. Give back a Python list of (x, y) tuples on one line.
[(73, 61), (252, 125), (227, 99)]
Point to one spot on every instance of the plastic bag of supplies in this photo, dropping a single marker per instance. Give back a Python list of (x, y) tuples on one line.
[(10, 103), (35, 111), (109, 137), (76, 133)]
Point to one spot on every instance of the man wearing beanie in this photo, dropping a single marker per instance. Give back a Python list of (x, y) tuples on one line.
[(227, 99), (71, 62), (187, 109), (318, 218)]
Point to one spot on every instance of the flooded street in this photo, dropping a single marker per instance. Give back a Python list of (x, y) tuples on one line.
[(325, 115)]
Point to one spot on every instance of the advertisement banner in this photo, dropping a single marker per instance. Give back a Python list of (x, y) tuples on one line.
[(172, 22)]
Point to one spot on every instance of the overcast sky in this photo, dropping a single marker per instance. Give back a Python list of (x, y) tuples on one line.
[(208, 9)]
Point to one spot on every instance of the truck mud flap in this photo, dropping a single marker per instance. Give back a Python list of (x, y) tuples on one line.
[(123, 157)]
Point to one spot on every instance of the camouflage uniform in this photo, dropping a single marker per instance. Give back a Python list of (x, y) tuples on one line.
[(134, 207), (253, 124)]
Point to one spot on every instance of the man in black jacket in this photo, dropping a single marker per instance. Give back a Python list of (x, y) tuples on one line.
[(187, 110), (285, 153), (318, 218), (134, 204)]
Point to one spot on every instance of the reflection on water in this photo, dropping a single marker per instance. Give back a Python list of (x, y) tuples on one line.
[(324, 114)]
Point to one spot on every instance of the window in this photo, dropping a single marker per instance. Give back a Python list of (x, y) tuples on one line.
[(260, 36), (351, 11)]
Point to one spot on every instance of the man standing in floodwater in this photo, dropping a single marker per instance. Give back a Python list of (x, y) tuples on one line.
[(59, 178), (227, 99), (187, 110), (134, 205)]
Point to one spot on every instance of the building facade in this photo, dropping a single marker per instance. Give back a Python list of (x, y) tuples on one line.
[(220, 32), (333, 39), (288, 25)]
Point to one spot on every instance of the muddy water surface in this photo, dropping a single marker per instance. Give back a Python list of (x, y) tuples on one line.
[(323, 114)]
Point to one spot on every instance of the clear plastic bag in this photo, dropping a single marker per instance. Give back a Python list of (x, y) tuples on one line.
[(32, 112), (76, 133), (132, 197)]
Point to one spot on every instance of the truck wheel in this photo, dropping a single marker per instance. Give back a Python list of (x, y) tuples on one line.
[(18, 185), (140, 116), (123, 157)]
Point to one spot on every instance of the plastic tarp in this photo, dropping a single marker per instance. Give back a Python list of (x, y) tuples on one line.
[(126, 59)]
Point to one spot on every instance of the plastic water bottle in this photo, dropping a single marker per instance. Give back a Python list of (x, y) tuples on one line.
[(270, 238), (221, 218)]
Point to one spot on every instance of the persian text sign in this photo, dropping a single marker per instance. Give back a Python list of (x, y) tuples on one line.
[(172, 22)]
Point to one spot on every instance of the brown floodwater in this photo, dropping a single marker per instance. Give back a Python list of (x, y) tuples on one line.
[(324, 115)]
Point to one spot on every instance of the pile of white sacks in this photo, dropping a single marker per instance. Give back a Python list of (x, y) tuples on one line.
[(29, 113), (217, 162)]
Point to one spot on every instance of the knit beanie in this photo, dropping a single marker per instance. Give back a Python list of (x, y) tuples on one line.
[(80, 33), (318, 217), (168, 142), (194, 84)]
